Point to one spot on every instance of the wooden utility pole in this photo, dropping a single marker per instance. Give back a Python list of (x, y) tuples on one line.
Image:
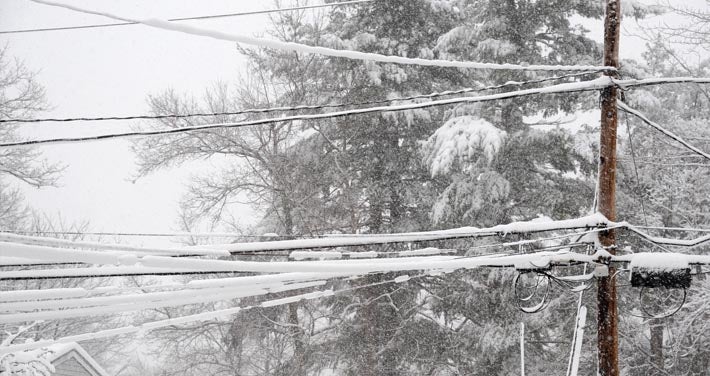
[(607, 317)]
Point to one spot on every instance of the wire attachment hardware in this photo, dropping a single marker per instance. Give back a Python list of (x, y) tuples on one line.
[(528, 287)]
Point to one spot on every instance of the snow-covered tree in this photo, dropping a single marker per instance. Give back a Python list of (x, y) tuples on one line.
[(20, 96)]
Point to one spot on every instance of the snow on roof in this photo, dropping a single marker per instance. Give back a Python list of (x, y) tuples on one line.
[(60, 350)]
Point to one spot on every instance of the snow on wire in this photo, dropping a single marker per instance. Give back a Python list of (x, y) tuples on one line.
[(327, 270), (595, 84), (206, 17), (297, 47), (626, 108), (204, 316), (303, 107), (591, 85)]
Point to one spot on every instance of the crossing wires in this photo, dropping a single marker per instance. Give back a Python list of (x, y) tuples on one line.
[(205, 17)]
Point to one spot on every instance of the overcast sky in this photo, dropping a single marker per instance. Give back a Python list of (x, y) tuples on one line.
[(110, 71)]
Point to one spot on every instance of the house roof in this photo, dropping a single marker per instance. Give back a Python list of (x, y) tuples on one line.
[(72, 350)]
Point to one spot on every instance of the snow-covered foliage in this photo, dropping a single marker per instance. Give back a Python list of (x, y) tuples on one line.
[(361, 304), (26, 363), (33, 362), (463, 141)]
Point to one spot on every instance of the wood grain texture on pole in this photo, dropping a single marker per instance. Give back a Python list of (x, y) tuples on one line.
[(607, 313)]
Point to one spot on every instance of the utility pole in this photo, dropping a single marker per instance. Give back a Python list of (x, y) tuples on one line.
[(607, 316)]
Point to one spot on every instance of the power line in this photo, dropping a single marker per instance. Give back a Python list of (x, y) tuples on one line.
[(685, 229), (205, 235), (45, 249), (211, 315), (302, 48), (297, 108), (154, 234), (214, 16), (623, 106), (595, 84), (590, 85), (636, 171)]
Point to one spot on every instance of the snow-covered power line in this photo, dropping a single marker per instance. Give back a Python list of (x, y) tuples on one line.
[(204, 316), (132, 271), (297, 47), (672, 242), (74, 292), (144, 234), (623, 106), (534, 261), (300, 108), (74, 244), (683, 229), (99, 306), (48, 249), (149, 300), (98, 272), (205, 17), (590, 85)]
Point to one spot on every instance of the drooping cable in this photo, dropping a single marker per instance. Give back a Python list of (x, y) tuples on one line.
[(299, 108), (636, 171), (206, 17), (591, 85), (204, 316), (624, 107), (297, 47)]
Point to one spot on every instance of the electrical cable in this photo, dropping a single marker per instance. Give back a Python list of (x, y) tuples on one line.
[(665, 241), (212, 315), (590, 85), (305, 107), (663, 315), (554, 89), (624, 107), (105, 272), (154, 265), (636, 171), (207, 17), (521, 300), (290, 246), (302, 48), (649, 316), (588, 223), (684, 229)]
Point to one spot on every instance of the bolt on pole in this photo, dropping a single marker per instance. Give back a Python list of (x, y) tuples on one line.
[(607, 314)]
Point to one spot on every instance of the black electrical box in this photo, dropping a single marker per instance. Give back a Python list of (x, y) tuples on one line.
[(672, 278)]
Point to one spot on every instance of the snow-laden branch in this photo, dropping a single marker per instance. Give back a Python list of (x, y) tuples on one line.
[(31, 362), (302, 48)]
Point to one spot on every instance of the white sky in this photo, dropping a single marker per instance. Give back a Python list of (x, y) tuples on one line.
[(110, 71)]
